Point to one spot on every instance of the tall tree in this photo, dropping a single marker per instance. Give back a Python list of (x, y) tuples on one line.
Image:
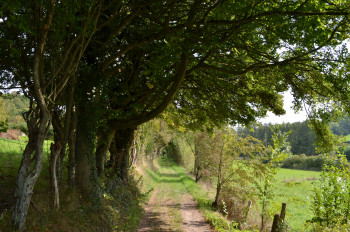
[(226, 62), (42, 43)]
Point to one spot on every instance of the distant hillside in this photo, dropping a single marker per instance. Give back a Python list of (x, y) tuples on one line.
[(13, 106)]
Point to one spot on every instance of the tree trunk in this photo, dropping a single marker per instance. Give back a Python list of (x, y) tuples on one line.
[(120, 154), (103, 145), (71, 160), (71, 150), (31, 165), (133, 154), (58, 150), (55, 153), (60, 161), (219, 184), (85, 145), (218, 190), (197, 167)]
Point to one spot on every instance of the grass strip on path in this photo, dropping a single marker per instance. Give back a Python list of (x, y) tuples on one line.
[(173, 183)]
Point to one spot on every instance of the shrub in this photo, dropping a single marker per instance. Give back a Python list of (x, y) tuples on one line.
[(331, 204), (304, 162)]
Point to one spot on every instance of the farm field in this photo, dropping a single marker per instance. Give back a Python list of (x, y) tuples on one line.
[(294, 187)]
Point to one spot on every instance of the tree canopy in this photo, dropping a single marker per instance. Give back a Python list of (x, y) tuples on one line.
[(119, 64)]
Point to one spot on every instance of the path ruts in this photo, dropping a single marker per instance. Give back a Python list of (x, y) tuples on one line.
[(171, 208)]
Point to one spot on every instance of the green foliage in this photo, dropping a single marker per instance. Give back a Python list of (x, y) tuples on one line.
[(342, 127), (326, 141), (279, 151), (153, 138), (301, 137), (13, 106), (331, 203), (304, 162), (233, 163), (3, 116), (123, 203), (217, 62)]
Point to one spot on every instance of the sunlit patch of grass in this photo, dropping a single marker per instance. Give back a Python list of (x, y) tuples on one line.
[(295, 187)]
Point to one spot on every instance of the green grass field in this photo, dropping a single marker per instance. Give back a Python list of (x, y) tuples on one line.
[(11, 154), (294, 187)]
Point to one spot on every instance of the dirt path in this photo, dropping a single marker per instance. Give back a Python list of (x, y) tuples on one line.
[(171, 208), (193, 219)]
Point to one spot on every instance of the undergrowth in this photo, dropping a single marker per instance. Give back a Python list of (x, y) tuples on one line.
[(121, 209)]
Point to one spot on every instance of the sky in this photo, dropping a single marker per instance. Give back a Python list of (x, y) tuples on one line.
[(290, 115)]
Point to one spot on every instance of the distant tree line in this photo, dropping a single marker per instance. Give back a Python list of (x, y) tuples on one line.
[(301, 137), (342, 127)]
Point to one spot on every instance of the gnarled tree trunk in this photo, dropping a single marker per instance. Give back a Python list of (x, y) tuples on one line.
[(38, 123), (104, 143), (85, 147), (120, 151), (55, 153)]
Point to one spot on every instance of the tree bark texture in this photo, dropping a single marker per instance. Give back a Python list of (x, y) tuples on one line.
[(120, 151), (60, 125), (55, 153), (31, 165), (71, 159), (38, 120), (85, 147), (197, 174), (104, 143), (60, 162)]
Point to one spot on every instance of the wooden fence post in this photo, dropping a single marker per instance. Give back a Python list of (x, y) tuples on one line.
[(275, 223), (283, 212)]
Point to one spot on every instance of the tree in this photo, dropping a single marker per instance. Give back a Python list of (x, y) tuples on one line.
[(301, 137), (232, 157), (278, 151), (42, 42), (221, 61)]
